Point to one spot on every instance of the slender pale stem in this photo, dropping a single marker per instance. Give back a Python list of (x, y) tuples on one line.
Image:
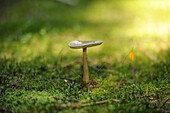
[(85, 67)]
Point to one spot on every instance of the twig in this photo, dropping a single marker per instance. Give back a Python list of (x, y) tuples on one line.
[(67, 99), (105, 101), (102, 70), (68, 64), (162, 107), (88, 104), (79, 104), (10, 85), (72, 63), (165, 102)]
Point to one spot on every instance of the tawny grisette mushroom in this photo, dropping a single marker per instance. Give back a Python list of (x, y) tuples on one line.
[(84, 44)]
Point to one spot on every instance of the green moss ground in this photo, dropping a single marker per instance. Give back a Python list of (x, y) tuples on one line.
[(36, 64)]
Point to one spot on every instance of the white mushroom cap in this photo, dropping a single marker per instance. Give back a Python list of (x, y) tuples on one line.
[(83, 44)]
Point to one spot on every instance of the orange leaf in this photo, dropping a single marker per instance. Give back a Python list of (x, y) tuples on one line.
[(132, 56)]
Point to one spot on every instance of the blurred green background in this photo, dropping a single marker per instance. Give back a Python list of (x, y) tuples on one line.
[(36, 64), (31, 28)]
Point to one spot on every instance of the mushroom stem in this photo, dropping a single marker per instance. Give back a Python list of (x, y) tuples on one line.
[(85, 67)]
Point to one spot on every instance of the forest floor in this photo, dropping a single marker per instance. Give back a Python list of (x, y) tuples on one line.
[(129, 72)]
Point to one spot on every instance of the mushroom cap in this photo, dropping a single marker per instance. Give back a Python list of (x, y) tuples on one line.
[(83, 44)]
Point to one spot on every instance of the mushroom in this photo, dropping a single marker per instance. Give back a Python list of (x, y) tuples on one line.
[(84, 44)]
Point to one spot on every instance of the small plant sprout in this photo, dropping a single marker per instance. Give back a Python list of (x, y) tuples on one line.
[(84, 44)]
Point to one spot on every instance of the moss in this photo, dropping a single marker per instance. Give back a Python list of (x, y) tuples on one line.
[(36, 64)]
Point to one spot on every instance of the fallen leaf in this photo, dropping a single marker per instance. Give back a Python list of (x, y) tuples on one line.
[(132, 56)]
